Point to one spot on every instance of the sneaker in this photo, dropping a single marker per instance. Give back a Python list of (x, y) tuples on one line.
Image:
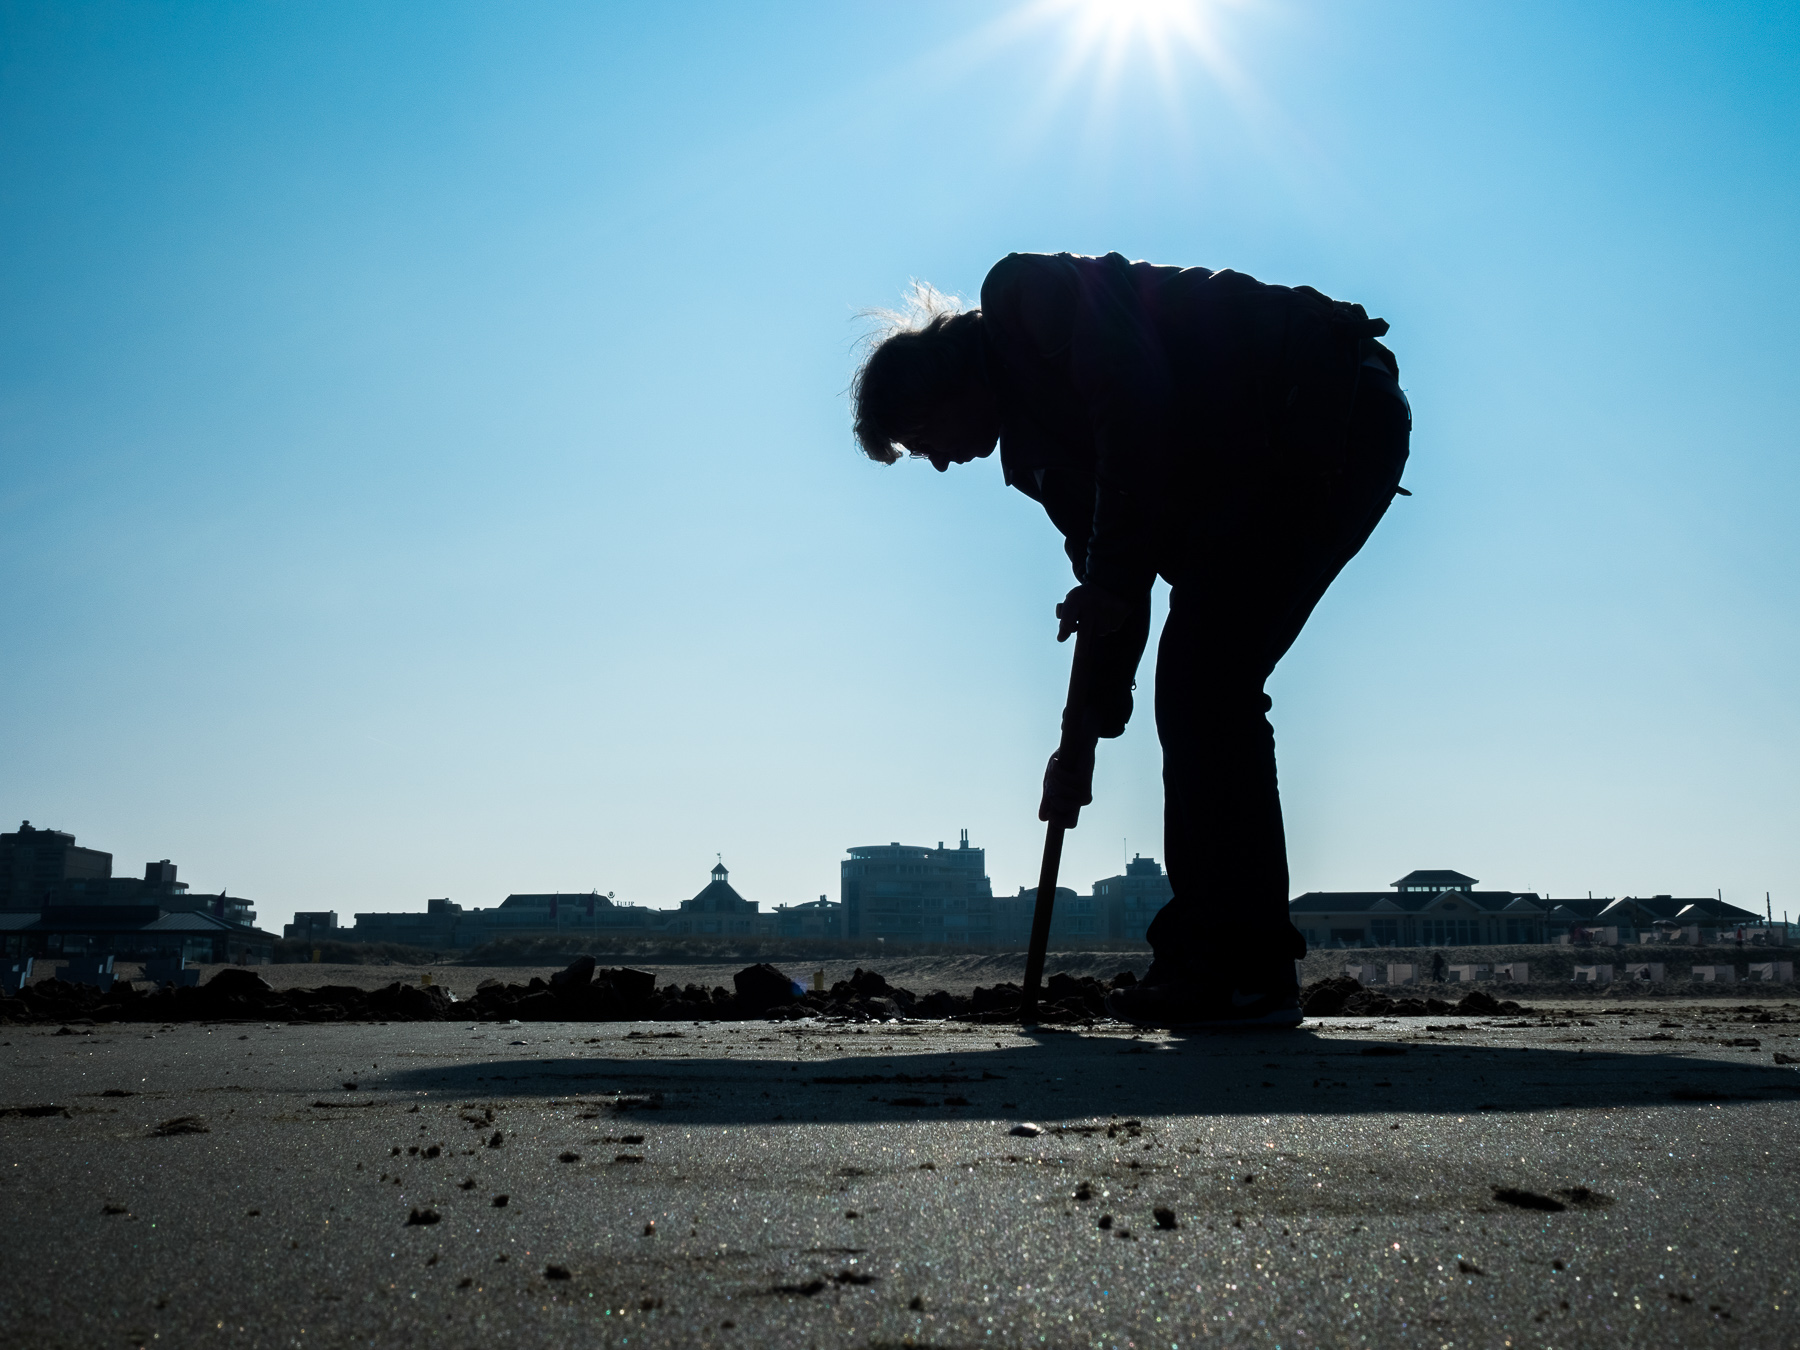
[(1186, 1004)]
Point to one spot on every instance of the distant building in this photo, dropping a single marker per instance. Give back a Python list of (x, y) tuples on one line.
[(540, 915), (1424, 909), (58, 899), (1443, 909), (819, 918), (1638, 919), (1074, 917), (445, 924), (158, 887), (313, 926), (719, 909), (133, 932), (35, 863), (1128, 903), (436, 927), (1432, 883), (908, 893)]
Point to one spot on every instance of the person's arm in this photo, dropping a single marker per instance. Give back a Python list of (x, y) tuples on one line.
[(1099, 707), (1077, 322), (1081, 320), (1122, 375)]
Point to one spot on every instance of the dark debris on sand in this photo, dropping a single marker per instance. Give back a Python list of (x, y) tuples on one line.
[(1343, 996), (38, 1109), (181, 1125), (585, 992), (1519, 1198)]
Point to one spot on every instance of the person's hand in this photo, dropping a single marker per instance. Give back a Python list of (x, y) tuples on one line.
[(1067, 788), (1088, 609)]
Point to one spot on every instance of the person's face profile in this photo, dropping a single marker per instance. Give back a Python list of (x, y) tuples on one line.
[(956, 432)]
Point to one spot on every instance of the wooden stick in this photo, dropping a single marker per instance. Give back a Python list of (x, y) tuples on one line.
[(1075, 724), (1040, 922)]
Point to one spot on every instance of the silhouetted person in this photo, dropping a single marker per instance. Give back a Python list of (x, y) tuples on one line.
[(1440, 969), (1237, 439)]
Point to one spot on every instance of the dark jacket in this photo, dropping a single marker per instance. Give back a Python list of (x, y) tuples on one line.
[(1125, 389)]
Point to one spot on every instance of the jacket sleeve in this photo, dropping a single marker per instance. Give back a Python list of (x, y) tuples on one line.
[(1123, 377), (1085, 315)]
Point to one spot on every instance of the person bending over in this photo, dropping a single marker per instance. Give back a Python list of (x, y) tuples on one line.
[(1241, 441)]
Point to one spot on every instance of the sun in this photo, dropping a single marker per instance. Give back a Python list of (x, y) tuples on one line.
[(1106, 48), (1108, 36), (1114, 26), (1116, 21)]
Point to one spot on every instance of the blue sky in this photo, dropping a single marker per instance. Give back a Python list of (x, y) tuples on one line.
[(426, 466)]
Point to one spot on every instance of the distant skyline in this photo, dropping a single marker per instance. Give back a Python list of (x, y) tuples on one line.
[(122, 868), (426, 468)]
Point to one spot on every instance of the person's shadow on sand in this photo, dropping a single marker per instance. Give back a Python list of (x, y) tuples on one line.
[(1069, 1077)]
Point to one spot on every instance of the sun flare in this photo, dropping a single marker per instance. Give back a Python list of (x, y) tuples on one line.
[(1107, 36), (1122, 20), (1101, 53)]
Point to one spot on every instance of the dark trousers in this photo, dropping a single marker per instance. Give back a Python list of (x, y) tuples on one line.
[(1243, 582)]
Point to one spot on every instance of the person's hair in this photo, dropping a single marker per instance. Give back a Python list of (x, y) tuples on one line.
[(918, 359)]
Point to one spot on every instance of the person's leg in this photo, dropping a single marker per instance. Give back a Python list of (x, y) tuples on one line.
[(1223, 841), (1310, 541), (1253, 576)]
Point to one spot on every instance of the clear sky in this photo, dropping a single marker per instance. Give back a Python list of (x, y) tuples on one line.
[(427, 469)]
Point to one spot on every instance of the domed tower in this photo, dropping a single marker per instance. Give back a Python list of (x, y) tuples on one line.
[(718, 908)]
